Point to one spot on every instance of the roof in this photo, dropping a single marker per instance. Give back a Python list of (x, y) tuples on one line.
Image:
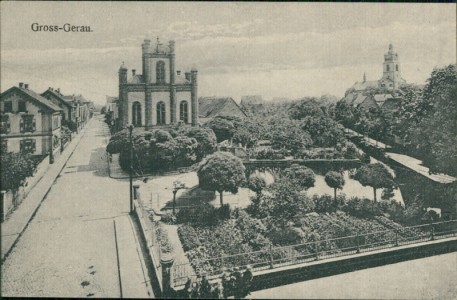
[(180, 79), (359, 99), (111, 99), (211, 106), (349, 98), (35, 97), (360, 86), (416, 165), (57, 95)]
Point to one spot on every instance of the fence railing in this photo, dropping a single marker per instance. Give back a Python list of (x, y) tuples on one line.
[(275, 257), (150, 232)]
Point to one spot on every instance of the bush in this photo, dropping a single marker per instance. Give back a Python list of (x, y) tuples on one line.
[(324, 203), (189, 237), (361, 207), (270, 154), (168, 218)]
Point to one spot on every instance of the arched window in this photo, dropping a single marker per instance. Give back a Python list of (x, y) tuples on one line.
[(396, 67), (136, 114), (160, 72), (160, 113), (387, 68), (183, 112)]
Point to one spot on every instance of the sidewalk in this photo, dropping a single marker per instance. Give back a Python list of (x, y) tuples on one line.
[(14, 226)]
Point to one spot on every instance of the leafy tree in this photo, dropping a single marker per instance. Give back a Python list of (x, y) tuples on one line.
[(375, 175), (257, 184), (307, 107), (16, 167), (221, 172), (223, 128), (334, 180), (184, 151), (300, 175), (290, 137), (205, 138), (324, 131)]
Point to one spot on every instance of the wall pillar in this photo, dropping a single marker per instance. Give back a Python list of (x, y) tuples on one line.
[(173, 105), (194, 97), (148, 108)]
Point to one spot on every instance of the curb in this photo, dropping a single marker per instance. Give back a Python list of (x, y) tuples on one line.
[(35, 210)]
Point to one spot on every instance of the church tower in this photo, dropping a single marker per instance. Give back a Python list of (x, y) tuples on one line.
[(391, 78)]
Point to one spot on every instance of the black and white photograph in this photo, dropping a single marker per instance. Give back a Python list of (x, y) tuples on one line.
[(228, 150)]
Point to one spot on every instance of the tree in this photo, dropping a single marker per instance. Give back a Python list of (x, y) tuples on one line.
[(16, 167), (221, 172), (290, 137), (375, 175), (257, 184), (205, 137), (223, 128), (334, 180), (300, 175)]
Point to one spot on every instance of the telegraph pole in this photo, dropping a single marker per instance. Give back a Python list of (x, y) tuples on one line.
[(131, 167)]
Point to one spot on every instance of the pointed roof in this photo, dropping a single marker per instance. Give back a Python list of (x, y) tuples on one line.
[(34, 97), (57, 95), (210, 107)]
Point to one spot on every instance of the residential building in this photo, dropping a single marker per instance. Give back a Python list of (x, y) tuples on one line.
[(161, 95), (56, 97), (30, 123), (210, 107)]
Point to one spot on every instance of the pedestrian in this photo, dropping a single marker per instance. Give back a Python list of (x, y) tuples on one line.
[(205, 288), (247, 281)]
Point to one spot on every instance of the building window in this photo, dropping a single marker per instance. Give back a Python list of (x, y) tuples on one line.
[(21, 107), (136, 114), (387, 68), (160, 72), (396, 67), (4, 146), (160, 113), (8, 106), (5, 126), (183, 112), (28, 146), (27, 124)]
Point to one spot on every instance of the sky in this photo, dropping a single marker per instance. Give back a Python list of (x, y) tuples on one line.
[(270, 49)]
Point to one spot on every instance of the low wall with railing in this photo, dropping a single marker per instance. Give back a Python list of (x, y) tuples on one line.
[(298, 256), (148, 228)]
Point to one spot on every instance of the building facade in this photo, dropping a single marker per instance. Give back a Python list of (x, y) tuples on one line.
[(30, 123), (161, 95), (58, 99)]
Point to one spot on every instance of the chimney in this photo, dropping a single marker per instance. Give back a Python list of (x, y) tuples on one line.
[(178, 72), (21, 84), (58, 90), (26, 86), (50, 88), (133, 72)]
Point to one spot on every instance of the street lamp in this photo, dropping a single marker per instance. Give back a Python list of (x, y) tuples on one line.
[(130, 128), (177, 185)]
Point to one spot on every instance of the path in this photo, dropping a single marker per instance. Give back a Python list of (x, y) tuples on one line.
[(427, 278), (71, 247)]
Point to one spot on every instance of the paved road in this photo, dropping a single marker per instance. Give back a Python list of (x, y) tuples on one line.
[(69, 248), (429, 278)]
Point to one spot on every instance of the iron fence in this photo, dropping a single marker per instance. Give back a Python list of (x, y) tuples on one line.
[(275, 257)]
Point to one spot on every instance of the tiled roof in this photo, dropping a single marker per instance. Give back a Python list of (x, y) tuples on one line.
[(211, 106), (360, 98), (349, 98), (57, 95), (36, 97), (381, 98)]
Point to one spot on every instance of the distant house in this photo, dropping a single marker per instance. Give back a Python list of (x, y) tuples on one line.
[(82, 108), (374, 101), (58, 99), (210, 107), (30, 123)]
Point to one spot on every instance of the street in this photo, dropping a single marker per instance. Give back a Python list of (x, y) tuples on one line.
[(69, 248)]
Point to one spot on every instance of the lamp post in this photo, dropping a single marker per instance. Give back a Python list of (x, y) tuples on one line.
[(131, 167)]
